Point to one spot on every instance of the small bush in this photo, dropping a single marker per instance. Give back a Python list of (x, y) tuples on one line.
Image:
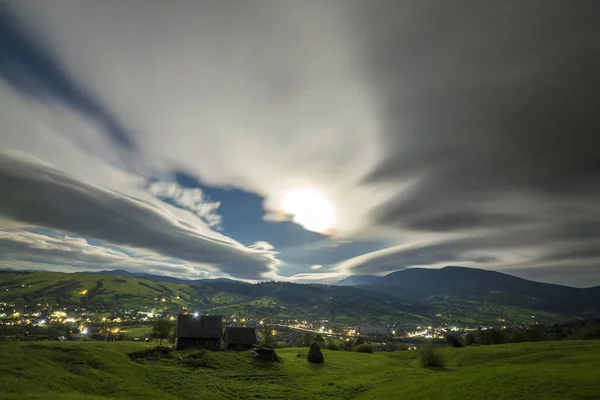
[(429, 357), (454, 341), (365, 348), (331, 345), (470, 339)]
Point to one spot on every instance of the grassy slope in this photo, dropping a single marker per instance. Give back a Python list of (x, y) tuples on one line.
[(51, 287), (92, 370)]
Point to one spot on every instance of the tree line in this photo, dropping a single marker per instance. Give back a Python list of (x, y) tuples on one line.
[(574, 330)]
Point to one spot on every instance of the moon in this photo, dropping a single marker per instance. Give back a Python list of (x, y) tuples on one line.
[(309, 208)]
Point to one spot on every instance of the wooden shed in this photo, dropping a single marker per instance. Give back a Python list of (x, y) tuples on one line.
[(202, 331), (239, 338)]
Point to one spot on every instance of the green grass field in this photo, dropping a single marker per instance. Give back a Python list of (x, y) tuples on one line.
[(98, 370)]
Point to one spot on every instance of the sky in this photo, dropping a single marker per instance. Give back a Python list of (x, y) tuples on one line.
[(301, 141)]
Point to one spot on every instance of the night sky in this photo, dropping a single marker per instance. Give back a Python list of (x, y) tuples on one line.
[(301, 140)]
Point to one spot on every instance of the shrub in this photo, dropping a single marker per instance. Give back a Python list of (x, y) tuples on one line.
[(470, 339), (365, 348), (331, 345), (454, 341), (429, 357)]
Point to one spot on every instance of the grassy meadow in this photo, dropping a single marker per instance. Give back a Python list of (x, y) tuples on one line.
[(100, 370)]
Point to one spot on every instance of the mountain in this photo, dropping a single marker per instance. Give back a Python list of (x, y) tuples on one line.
[(149, 277), (451, 295), (485, 285), (102, 292), (159, 278), (357, 280)]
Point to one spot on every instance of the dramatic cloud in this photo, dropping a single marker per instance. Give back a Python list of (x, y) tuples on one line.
[(494, 119), (34, 250), (41, 195), (189, 199), (446, 132)]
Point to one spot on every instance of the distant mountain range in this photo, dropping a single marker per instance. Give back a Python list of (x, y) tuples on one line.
[(159, 278), (357, 280), (478, 283), (453, 295)]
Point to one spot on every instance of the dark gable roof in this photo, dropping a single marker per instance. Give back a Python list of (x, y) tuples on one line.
[(202, 327), (239, 335)]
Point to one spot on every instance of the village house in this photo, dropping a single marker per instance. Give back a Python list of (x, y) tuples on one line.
[(201, 331), (239, 338)]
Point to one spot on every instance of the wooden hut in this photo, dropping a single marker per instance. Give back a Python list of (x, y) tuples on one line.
[(239, 338), (202, 331)]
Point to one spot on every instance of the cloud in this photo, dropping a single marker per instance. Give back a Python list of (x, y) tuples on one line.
[(263, 246), (466, 139), (493, 124), (26, 249), (192, 199), (31, 69), (41, 195), (227, 114), (316, 267)]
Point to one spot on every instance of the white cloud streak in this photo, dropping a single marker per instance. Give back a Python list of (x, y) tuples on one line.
[(41, 195), (192, 199)]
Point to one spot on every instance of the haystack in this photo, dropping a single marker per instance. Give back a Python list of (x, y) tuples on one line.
[(314, 354)]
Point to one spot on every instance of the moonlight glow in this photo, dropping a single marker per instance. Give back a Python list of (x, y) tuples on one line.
[(310, 209)]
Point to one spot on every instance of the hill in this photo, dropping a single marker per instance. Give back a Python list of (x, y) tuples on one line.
[(459, 284), (279, 300), (104, 370), (357, 280), (159, 278), (451, 296)]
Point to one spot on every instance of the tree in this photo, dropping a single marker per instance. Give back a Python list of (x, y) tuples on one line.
[(360, 340), (495, 336), (470, 339), (454, 341), (479, 336), (518, 337), (331, 345), (349, 345), (161, 329), (533, 334), (308, 339), (268, 335)]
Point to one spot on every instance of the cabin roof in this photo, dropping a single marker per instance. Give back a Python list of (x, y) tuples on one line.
[(240, 335), (201, 327)]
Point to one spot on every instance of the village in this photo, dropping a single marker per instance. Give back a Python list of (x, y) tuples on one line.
[(192, 329)]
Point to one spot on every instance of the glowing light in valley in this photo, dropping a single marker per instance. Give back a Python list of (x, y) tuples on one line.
[(196, 315), (310, 209)]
